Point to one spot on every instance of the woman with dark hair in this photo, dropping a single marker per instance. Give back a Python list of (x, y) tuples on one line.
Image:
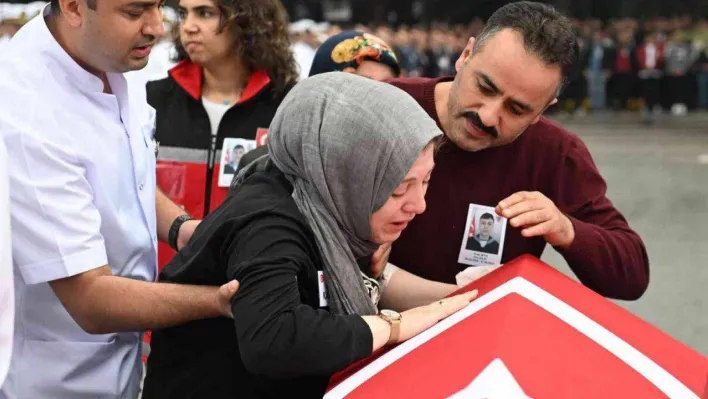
[(348, 165), (235, 66)]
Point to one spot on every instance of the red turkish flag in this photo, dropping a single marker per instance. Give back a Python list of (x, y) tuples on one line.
[(537, 332), (472, 230)]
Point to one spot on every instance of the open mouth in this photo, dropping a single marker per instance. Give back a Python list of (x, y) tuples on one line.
[(400, 225), (143, 50)]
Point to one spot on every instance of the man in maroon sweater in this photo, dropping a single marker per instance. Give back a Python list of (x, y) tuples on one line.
[(502, 154)]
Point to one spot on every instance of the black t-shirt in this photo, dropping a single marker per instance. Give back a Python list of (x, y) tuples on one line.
[(281, 343)]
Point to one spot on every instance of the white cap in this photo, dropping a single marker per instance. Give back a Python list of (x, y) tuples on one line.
[(302, 26), (322, 27), (2, 10), (170, 15), (13, 12), (35, 8)]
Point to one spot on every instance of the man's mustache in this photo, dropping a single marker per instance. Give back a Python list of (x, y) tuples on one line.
[(148, 40), (474, 118)]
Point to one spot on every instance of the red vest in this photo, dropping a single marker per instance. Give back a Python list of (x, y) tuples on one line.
[(642, 56), (190, 175)]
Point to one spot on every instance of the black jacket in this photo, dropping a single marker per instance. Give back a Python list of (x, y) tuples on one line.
[(491, 248), (281, 342), (252, 156)]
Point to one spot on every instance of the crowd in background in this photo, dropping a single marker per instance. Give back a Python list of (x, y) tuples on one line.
[(653, 65)]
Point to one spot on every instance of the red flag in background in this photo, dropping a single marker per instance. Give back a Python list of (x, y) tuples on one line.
[(261, 136), (471, 232), (227, 156)]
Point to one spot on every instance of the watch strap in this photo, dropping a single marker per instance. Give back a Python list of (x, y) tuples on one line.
[(395, 332), (174, 230), (395, 325)]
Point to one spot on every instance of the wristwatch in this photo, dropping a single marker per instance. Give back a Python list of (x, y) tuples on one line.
[(174, 230), (393, 318)]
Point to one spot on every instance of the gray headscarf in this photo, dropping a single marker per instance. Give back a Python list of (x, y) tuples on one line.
[(345, 143)]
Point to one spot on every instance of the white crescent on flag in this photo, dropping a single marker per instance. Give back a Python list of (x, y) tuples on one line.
[(494, 382)]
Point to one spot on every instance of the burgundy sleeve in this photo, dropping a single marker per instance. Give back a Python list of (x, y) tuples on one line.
[(606, 255)]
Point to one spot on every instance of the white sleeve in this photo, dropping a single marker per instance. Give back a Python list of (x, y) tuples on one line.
[(7, 296), (55, 225), (385, 277)]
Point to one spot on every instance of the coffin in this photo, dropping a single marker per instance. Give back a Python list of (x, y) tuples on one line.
[(532, 333)]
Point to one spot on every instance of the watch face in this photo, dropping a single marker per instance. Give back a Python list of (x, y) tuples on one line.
[(393, 315)]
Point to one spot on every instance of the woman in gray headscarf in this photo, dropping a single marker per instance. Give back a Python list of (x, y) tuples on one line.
[(348, 167)]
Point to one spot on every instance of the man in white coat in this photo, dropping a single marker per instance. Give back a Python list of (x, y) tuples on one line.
[(7, 297), (85, 213)]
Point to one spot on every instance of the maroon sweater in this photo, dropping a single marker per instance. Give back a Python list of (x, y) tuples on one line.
[(607, 255)]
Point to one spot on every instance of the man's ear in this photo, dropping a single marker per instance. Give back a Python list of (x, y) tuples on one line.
[(73, 11), (538, 117), (465, 54)]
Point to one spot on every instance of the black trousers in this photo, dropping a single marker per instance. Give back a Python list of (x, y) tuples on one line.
[(651, 92), (680, 89), (623, 85)]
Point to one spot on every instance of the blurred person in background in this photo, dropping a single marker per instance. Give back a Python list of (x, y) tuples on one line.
[(405, 48), (304, 45), (423, 49), (235, 66), (624, 69), (431, 52), (576, 92), (650, 61), (536, 174), (701, 32), (356, 52), (11, 21), (700, 44), (679, 61), (445, 53), (362, 28), (476, 27), (599, 70), (333, 29), (384, 33)]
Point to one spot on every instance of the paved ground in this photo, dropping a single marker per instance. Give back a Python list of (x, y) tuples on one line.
[(658, 177)]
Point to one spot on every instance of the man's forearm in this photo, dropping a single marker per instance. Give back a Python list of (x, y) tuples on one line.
[(406, 291), (610, 260), (167, 211), (121, 304)]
